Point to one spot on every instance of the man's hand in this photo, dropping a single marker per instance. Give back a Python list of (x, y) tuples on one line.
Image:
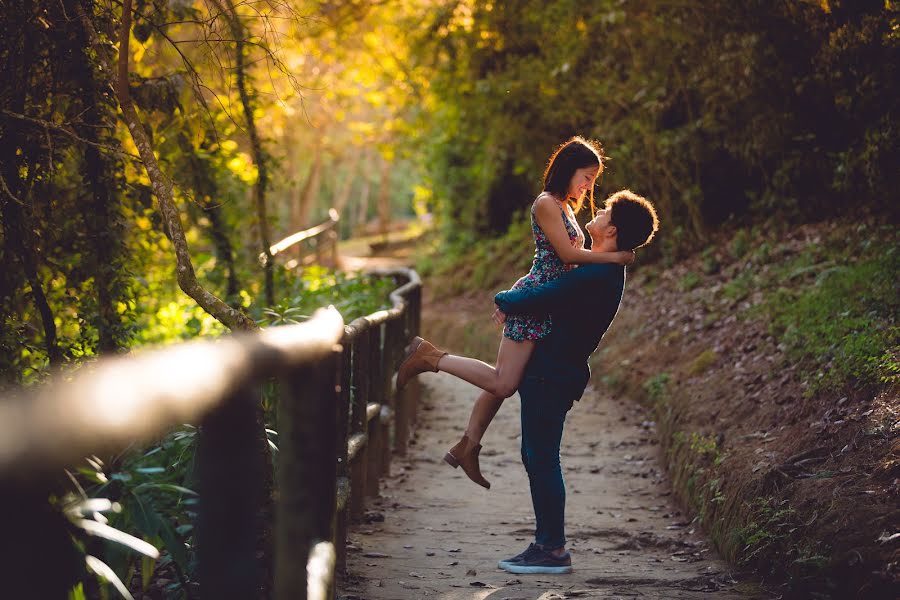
[(499, 317), (625, 257)]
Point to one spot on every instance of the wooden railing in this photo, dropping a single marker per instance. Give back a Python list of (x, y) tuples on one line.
[(339, 422), (316, 245)]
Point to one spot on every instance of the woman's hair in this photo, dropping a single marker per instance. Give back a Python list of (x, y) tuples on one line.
[(577, 153), (634, 217)]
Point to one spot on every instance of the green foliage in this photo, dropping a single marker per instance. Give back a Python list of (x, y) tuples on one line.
[(353, 295), (836, 312), (704, 360), (740, 244), (657, 386), (769, 524), (710, 261), (469, 264), (689, 281), (147, 497), (742, 285), (732, 111)]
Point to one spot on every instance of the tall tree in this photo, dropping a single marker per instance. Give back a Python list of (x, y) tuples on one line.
[(162, 186), (102, 197), (14, 211), (259, 155)]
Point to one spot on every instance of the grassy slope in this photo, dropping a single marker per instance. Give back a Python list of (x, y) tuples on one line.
[(772, 364)]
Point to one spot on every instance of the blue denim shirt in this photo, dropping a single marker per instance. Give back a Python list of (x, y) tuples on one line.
[(582, 303)]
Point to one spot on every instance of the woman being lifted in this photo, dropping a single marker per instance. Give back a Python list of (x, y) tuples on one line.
[(559, 246)]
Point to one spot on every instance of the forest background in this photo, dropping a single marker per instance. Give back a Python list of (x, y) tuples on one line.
[(262, 115), (132, 200)]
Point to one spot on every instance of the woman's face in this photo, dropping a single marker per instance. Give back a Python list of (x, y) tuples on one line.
[(582, 180)]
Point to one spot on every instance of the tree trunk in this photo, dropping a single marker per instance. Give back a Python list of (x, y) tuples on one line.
[(162, 187), (292, 194), (223, 249), (12, 209), (362, 212), (310, 190), (384, 199), (101, 202), (262, 179), (14, 231), (206, 190), (343, 194)]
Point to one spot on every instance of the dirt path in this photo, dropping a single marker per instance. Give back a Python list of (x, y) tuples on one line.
[(433, 533)]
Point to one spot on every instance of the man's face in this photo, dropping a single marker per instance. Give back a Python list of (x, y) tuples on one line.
[(599, 225)]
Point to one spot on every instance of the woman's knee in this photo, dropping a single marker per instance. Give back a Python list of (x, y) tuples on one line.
[(505, 389)]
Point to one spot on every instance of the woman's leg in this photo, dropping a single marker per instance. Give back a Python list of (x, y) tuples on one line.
[(483, 412), (500, 381), (511, 360), (465, 452)]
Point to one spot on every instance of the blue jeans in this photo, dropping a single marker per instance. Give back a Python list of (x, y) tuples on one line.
[(543, 417)]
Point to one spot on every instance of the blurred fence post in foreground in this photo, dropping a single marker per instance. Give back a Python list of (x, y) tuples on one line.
[(337, 411)]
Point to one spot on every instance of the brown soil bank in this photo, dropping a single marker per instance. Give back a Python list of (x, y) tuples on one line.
[(786, 447), (792, 469)]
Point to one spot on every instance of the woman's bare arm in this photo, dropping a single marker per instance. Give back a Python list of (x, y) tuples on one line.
[(549, 218)]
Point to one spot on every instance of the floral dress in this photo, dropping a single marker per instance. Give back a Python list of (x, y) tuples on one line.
[(547, 266)]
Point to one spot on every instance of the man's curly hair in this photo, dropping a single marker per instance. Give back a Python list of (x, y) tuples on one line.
[(634, 217)]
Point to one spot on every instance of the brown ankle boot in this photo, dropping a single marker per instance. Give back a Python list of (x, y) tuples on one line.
[(465, 454), (420, 356)]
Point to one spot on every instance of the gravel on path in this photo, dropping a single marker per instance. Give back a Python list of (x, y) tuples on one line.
[(433, 533)]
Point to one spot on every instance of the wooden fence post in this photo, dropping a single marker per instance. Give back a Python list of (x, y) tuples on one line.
[(326, 463), (307, 472), (319, 253), (401, 398), (359, 393), (333, 236), (416, 302), (39, 558), (387, 400), (343, 470), (230, 476), (375, 402)]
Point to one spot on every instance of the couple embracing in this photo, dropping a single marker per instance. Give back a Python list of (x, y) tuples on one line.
[(553, 319)]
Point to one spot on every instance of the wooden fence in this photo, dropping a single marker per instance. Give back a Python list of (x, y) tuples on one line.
[(339, 422), (316, 245)]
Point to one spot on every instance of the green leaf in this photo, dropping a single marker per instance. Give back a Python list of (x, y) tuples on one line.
[(77, 592), (174, 545), (151, 525), (91, 505), (92, 475), (148, 565), (145, 519), (116, 535), (104, 571), (169, 487), (150, 470)]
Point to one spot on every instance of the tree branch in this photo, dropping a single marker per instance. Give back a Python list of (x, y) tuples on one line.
[(50, 125), (162, 187)]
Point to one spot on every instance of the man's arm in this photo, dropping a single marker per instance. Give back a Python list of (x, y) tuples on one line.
[(549, 296)]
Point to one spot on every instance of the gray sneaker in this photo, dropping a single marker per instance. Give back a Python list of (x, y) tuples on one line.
[(532, 548), (541, 561)]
